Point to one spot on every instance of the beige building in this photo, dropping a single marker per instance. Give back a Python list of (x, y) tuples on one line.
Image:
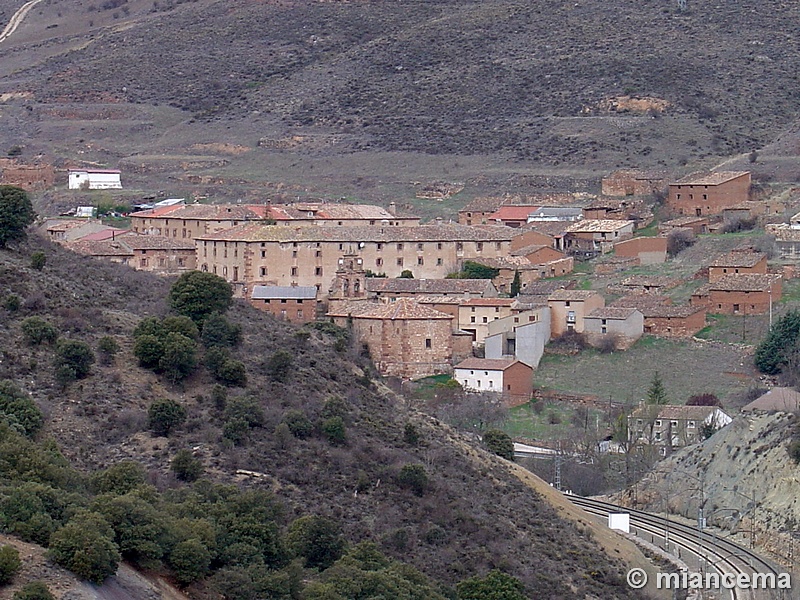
[(596, 235), (405, 339), (155, 254), (475, 314), (622, 325), (569, 308), (193, 220), (250, 255)]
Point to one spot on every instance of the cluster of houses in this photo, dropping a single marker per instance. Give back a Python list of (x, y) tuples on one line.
[(385, 275)]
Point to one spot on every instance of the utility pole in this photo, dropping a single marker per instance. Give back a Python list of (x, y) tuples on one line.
[(558, 467)]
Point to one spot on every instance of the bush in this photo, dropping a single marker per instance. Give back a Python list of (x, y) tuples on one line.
[(12, 303), (495, 586), (500, 443), (108, 347), (334, 431), (119, 479), (35, 590), (279, 365), (10, 564), (38, 260), (148, 349), (19, 410), (703, 400), (186, 467), (219, 397), (232, 373), (316, 539), (298, 423), (179, 358), (411, 434), (236, 431), (164, 416), (414, 478), (85, 547), (182, 325), (197, 295), (246, 408), (190, 561), (76, 356), (217, 331), (38, 331), (679, 240)]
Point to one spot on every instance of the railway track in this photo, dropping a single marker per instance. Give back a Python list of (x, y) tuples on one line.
[(702, 551)]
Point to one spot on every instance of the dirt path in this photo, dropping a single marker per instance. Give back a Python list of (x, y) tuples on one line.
[(16, 19)]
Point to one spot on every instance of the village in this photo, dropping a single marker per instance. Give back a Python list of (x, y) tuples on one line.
[(478, 297)]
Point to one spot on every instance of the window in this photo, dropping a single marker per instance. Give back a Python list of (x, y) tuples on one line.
[(380, 246), (294, 253), (420, 260), (162, 262), (438, 262), (294, 271), (399, 262), (236, 251), (439, 246), (181, 262), (496, 309), (678, 196), (499, 246), (299, 300), (318, 253), (735, 308), (472, 319), (266, 301), (485, 319), (236, 273), (378, 262), (459, 246), (341, 246), (263, 254), (318, 271), (691, 425), (262, 271), (143, 262), (658, 422), (300, 313), (420, 246), (399, 246), (604, 329), (428, 343), (283, 300), (658, 436), (491, 383), (673, 423), (479, 246)]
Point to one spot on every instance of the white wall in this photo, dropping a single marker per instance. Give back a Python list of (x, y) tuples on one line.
[(474, 380), (97, 181)]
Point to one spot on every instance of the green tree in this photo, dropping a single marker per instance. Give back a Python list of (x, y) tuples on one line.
[(474, 270), (9, 563), (406, 274), (35, 590), (76, 356), (190, 560), (85, 547), (197, 295), (500, 443), (119, 479), (414, 478), (411, 434), (179, 359), (19, 410), (138, 527), (185, 466), (334, 431), (656, 393), (316, 539), (279, 365), (16, 214), (108, 347), (232, 373), (164, 416), (148, 349), (516, 285), (38, 331), (299, 424), (781, 343), (38, 260), (495, 586), (182, 325), (218, 331)]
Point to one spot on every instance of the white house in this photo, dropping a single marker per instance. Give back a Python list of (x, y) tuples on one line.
[(94, 179), (507, 377)]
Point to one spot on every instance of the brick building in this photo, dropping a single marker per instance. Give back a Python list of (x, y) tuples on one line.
[(252, 254), (405, 339), (511, 216), (663, 319), (155, 254), (649, 250), (701, 195), (568, 309), (787, 239), (32, 178), (739, 294), (629, 182), (697, 225), (297, 304), (745, 260), (645, 284), (385, 287), (511, 379)]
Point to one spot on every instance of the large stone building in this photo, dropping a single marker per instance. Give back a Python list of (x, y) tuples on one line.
[(193, 220), (745, 260), (648, 250), (662, 318), (252, 254), (590, 235), (155, 254), (29, 177), (740, 294), (297, 304), (630, 182), (701, 195), (405, 339)]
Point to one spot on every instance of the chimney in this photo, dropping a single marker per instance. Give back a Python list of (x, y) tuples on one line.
[(393, 208), (438, 220)]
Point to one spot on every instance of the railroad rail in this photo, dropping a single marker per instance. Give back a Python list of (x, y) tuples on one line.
[(709, 551)]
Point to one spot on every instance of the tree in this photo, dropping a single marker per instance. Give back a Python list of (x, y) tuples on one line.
[(164, 416), (185, 466), (16, 214), (495, 586), (197, 295), (190, 560), (76, 356), (414, 478), (279, 365), (179, 358), (9, 563), (38, 331), (119, 479), (19, 410), (678, 240), (500, 443), (656, 394), (406, 274), (299, 424), (148, 349), (35, 590), (334, 431), (316, 539), (705, 399), (108, 348), (38, 260), (218, 331), (781, 342), (84, 546), (516, 285), (473, 270)]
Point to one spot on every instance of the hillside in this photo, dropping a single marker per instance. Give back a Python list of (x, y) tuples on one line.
[(476, 513), (341, 98)]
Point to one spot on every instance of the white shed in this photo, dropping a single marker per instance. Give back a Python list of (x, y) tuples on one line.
[(94, 179)]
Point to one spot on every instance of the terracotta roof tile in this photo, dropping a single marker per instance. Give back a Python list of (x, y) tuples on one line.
[(572, 295), (612, 312), (429, 286), (486, 364), (400, 309), (710, 178), (744, 258), (741, 282)]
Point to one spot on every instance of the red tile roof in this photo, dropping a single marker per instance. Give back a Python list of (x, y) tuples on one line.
[(486, 364)]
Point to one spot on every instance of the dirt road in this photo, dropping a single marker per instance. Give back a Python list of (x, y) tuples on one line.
[(17, 19)]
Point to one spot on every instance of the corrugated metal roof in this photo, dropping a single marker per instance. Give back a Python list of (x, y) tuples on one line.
[(284, 292)]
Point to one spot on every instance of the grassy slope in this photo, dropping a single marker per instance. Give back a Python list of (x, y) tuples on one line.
[(489, 518)]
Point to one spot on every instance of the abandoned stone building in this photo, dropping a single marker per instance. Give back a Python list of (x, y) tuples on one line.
[(708, 194)]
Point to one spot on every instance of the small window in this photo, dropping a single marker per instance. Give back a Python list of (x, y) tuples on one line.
[(318, 253), (479, 246), (658, 422), (439, 246), (485, 319), (380, 246), (378, 262), (428, 343), (283, 300), (262, 271), (399, 246), (294, 271), (691, 425), (673, 423), (420, 246), (318, 271), (294, 254), (300, 313), (263, 254), (399, 262), (439, 262), (420, 260)]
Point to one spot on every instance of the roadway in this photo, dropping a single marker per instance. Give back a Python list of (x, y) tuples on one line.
[(16, 19)]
